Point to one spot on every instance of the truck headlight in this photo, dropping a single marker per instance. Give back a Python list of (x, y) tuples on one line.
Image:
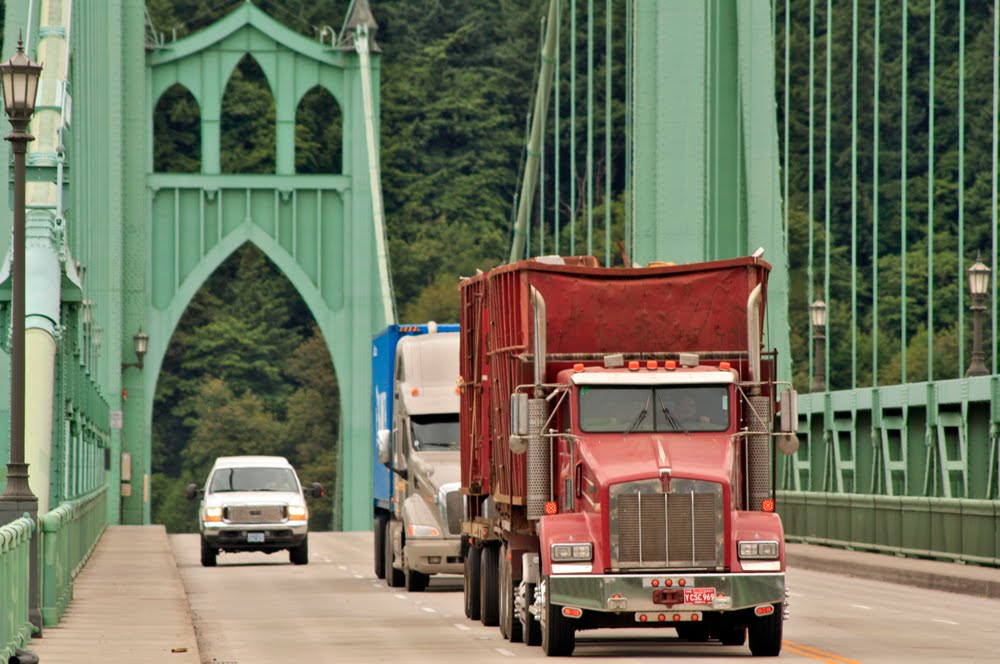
[(562, 552), (422, 531), (298, 512), (759, 550), (213, 514)]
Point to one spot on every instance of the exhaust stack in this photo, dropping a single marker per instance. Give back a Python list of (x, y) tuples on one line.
[(539, 457)]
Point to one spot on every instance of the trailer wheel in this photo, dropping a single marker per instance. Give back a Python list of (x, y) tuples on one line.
[(765, 634), (393, 577), (379, 548), (471, 583), (489, 587), (510, 623), (531, 633), (558, 633)]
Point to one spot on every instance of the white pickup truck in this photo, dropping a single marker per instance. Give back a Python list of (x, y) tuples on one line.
[(253, 503)]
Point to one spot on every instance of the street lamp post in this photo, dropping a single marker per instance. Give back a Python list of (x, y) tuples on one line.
[(979, 278), (19, 76), (817, 311)]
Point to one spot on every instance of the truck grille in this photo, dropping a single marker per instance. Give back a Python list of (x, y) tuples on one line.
[(255, 513), (655, 530), (454, 508)]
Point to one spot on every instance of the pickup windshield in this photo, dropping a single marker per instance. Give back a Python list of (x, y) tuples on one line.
[(628, 409), (253, 479), (434, 433)]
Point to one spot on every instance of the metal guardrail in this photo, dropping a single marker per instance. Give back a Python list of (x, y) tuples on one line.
[(15, 628), (954, 529), (69, 534)]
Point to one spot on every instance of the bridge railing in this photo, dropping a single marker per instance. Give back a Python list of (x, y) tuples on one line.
[(69, 534), (15, 628), (904, 469)]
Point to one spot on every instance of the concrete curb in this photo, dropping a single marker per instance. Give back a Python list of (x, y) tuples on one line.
[(931, 574)]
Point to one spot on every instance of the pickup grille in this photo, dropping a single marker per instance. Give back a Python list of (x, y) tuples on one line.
[(255, 513), (681, 529)]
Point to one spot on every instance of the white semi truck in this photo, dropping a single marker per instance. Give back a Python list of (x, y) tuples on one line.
[(417, 507)]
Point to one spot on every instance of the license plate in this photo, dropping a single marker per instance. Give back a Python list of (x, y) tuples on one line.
[(255, 538), (699, 595)]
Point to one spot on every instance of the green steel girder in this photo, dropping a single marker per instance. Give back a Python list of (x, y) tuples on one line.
[(317, 229)]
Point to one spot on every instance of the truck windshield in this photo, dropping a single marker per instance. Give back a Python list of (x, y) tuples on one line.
[(643, 409), (253, 479), (434, 433)]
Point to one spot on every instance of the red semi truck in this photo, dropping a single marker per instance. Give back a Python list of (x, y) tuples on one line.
[(617, 449)]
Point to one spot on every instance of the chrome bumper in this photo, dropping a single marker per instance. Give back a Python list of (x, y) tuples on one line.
[(635, 591), (420, 552)]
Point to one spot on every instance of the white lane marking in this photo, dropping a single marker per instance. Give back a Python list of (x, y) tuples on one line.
[(400, 596), (359, 576), (342, 566), (795, 594), (429, 609), (464, 628), (861, 606), (946, 622), (505, 652)]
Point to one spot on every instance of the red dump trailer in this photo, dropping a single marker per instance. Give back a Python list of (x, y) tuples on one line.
[(617, 450)]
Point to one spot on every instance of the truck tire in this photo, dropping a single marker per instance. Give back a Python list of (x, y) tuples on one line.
[(471, 583), (415, 582), (489, 587), (379, 548), (393, 577), (510, 624), (531, 632), (208, 554), (765, 634), (299, 555), (558, 633)]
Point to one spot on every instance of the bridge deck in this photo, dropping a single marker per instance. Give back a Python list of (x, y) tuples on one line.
[(129, 605)]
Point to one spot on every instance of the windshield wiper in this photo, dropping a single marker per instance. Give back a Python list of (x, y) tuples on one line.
[(638, 418), (674, 423)]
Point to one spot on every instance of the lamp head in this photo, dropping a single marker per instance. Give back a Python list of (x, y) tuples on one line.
[(817, 310), (979, 277), (20, 76)]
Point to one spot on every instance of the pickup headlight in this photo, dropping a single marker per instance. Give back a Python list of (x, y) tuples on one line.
[(213, 514), (759, 550), (561, 552), (298, 512), (422, 531)]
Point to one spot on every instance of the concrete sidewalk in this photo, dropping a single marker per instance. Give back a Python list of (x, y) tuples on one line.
[(128, 605), (931, 574)]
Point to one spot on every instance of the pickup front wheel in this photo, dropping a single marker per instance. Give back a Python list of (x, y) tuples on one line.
[(299, 555), (208, 554)]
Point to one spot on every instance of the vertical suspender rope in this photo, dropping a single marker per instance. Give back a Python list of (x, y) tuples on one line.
[(556, 110), (590, 127), (904, 182), (607, 134), (827, 178), (572, 127), (854, 195), (961, 189), (361, 45), (812, 168), (930, 204), (875, 196), (993, 230)]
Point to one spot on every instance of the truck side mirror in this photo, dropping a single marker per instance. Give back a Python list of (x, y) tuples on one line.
[(789, 411), (382, 442), (316, 490), (191, 491), (519, 414), (788, 441)]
